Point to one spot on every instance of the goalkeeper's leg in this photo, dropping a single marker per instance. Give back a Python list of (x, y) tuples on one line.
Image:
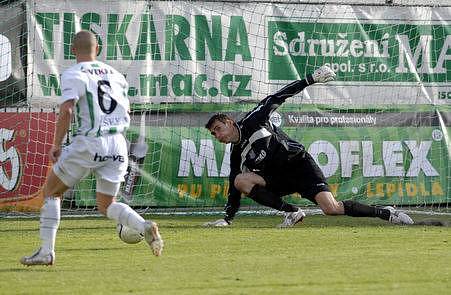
[(49, 221), (123, 214), (254, 186), (331, 206)]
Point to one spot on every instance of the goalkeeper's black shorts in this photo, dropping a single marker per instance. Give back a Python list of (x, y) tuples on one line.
[(300, 175)]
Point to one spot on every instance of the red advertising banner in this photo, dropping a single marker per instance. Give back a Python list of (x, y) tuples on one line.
[(25, 139)]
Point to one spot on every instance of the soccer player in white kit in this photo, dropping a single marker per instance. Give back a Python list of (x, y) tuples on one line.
[(97, 95)]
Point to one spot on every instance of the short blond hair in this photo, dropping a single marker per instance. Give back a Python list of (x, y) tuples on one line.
[(84, 42)]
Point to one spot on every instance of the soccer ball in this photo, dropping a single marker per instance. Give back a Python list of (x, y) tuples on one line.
[(128, 235)]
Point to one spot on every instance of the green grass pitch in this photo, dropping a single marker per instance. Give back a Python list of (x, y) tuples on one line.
[(324, 255)]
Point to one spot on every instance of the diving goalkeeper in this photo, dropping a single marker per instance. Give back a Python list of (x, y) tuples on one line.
[(266, 164)]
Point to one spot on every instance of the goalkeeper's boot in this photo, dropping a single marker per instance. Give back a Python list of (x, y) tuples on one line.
[(153, 237), (292, 218), (38, 258), (398, 217)]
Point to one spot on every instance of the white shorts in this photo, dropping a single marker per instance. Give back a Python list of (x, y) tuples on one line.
[(105, 156)]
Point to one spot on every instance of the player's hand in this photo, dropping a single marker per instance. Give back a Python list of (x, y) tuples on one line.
[(323, 75), (217, 223), (54, 153)]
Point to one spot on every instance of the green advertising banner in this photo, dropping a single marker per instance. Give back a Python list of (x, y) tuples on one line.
[(375, 157), (180, 51), (366, 52)]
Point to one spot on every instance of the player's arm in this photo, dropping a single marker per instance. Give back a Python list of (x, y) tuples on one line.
[(71, 85), (62, 125), (233, 199), (264, 109), (233, 202), (232, 206)]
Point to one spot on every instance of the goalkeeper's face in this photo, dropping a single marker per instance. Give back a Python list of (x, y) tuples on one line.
[(225, 132)]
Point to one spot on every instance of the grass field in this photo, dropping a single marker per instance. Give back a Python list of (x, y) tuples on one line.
[(324, 255)]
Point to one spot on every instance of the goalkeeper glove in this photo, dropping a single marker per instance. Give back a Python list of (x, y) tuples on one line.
[(323, 75), (217, 223)]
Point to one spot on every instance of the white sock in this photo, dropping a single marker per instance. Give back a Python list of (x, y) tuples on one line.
[(125, 215), (49, 222)]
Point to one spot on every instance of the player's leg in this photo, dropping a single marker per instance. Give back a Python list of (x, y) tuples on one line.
[(120, 212), (244, 182), (109, 176), (254, 186), (65, 173), (315, 188), (356, 209), (330, 206), (49, 221), (123, 214), (51, 212)]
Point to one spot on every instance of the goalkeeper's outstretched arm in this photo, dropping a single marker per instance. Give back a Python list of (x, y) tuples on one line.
[(265, 108)]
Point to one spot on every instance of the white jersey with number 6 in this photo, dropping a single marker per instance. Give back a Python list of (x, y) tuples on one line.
[(102, 104)]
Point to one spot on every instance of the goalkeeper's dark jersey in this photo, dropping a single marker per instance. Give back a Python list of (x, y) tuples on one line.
[(263, 148)]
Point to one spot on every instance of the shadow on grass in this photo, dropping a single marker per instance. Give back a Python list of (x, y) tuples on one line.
[(250, 222), (91, 249), (26, 269), (272, 222), (311, 221), (61, 229)]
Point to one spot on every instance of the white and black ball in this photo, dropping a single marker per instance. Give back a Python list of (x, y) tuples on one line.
[(128, 235)]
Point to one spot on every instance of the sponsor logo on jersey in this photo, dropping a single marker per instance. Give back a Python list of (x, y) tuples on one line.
[(98, 71), (260, 157), (101, 158), (276, 119)]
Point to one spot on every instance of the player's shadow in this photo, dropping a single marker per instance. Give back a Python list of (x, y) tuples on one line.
[(61, 229), (24, 269), (91, 249)]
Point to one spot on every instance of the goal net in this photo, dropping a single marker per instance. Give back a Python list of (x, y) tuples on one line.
[(380, 132)]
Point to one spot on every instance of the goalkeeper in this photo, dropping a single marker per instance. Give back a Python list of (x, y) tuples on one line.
[(266, 164)]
